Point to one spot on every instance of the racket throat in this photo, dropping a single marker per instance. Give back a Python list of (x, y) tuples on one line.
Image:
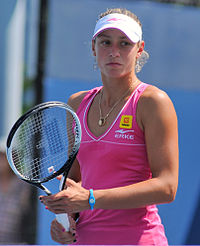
[(62, 183), (38, 185), (48, 192)]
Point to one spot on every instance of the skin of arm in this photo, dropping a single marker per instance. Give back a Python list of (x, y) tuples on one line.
[(157, 118)]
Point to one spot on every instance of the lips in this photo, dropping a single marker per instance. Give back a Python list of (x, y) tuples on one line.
[(114, 64)]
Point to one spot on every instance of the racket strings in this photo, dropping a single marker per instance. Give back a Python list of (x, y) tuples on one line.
[(43, 143)]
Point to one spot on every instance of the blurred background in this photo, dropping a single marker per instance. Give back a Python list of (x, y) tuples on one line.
[(45, 54)]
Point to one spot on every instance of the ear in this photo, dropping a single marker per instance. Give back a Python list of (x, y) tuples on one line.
[(140, 49), (93, 48)]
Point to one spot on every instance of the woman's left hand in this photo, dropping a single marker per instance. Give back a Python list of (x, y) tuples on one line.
[(61, 236), (71, 200)]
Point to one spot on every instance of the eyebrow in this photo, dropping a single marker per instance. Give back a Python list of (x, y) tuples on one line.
[(108, 36)]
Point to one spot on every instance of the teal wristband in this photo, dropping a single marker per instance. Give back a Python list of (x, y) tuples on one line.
[(91, 199)]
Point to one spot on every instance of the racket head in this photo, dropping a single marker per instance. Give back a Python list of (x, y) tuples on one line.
[(43, 142)]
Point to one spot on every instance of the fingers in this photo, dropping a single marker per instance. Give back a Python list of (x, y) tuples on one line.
[(52, 206), (70, 182), (57, 203), (52, 199), (71, 200), (61, 236), (72, 224)]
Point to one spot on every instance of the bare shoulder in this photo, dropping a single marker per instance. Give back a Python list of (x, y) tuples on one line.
[(75, 99), (156, 98), (154, 104)]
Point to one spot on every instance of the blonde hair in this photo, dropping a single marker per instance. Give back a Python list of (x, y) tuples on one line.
[(120, 11)]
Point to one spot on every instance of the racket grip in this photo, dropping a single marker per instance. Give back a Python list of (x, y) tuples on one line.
[(63, 220)]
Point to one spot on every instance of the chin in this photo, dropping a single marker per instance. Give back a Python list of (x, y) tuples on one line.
[(114, 74)]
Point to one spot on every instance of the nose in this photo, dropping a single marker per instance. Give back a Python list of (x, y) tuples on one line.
[(114, 52)]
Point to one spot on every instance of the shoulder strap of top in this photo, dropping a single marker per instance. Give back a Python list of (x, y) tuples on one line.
[(87, 98), (141, 88)]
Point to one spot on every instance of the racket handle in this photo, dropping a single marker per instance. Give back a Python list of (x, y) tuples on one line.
[(63, 220)]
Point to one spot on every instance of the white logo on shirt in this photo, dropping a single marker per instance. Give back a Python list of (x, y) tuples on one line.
[(124, 134)]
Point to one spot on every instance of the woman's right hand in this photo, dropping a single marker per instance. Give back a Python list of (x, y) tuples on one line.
[(60, 235)]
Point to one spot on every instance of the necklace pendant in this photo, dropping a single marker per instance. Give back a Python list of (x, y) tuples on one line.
[(102, 122)]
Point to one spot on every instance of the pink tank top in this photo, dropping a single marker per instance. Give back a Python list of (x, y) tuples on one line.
[(115, 159)]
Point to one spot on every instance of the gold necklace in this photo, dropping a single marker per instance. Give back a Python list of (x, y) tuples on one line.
[(102, 120)]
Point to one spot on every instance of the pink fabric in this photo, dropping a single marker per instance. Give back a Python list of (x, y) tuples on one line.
[(115, 159)]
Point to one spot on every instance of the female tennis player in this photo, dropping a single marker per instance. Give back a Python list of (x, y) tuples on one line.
[(128, 158)]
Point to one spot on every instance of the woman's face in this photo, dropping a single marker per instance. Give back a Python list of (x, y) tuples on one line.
[(115, 53)]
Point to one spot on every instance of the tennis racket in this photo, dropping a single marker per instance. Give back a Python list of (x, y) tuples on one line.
[(42, 144)]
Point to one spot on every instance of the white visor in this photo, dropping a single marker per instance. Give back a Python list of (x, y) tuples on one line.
[(121, 22)]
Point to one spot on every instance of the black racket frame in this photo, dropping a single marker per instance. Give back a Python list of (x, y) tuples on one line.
[(67, 166)]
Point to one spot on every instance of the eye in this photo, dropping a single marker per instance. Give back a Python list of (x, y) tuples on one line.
[(105, 42), (125, 43)]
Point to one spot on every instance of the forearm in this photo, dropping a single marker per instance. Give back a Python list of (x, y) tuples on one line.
[(76, 199), (152, 191)]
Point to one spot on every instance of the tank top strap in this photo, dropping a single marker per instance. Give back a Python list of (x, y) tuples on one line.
[(136, 96), (87, 98)]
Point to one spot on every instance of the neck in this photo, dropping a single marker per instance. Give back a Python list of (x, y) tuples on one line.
[(114, 88)]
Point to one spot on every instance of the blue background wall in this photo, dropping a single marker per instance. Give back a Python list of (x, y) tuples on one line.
[(172, 40), (172, 37)]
